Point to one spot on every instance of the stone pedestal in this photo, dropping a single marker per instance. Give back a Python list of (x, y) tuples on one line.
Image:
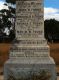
[(29, 57)]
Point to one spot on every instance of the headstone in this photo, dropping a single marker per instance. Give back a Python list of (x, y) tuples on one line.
[(29, 57)]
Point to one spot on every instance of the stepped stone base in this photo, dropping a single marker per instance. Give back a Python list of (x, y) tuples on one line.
[(30, 69), (17, 52), (29, 56)]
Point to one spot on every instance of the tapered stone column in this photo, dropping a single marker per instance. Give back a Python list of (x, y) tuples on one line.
[(29, 57)]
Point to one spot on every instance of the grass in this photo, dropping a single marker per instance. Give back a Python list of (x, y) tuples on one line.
[(4, 53)]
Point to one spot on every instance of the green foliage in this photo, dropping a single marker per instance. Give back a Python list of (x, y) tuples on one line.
[(6, 23), (51, 29), (11, 1)]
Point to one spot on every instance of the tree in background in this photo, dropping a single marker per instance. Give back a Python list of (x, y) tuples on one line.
[(7, 23), (51, 30), (51, 26), (11, 1)]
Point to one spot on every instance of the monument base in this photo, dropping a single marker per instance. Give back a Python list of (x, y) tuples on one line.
[(30, 69)]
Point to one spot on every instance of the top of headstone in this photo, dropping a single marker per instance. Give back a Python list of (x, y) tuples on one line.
[(28, 0), (29, 19)]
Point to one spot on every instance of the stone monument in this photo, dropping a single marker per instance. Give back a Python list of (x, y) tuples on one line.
[(29, 57)]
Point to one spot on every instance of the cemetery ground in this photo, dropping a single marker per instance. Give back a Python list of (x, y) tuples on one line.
[(4, 53)]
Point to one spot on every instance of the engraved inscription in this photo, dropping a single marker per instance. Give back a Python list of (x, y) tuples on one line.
[(29, 52), (29, 19)]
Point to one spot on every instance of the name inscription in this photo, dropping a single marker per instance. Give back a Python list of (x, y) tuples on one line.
[(29, 18)]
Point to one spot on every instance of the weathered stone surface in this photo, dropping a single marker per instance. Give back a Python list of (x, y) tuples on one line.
[(24, 68), (29, 19), (29, 56), (29, 51)]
